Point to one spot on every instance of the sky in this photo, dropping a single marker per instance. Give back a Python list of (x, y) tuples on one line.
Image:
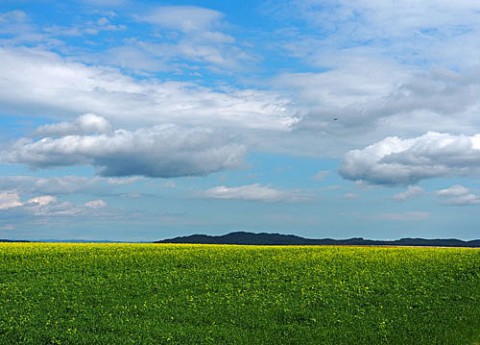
[(143, 120)]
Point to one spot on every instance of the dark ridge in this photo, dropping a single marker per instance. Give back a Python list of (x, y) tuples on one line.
[(5, 240), (248, 238)]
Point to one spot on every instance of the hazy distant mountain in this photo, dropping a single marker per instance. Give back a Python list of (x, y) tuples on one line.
[(249, 238)]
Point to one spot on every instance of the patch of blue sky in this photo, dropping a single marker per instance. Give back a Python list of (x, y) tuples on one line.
[(14, 170), (290, 171), (21, 125), (80, 171), (10, 127), (273, 170)]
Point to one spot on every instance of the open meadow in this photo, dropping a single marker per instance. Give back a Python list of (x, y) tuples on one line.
[(212, 294)]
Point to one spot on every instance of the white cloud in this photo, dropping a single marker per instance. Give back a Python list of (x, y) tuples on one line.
[(160, 151), (95, 204), (254, 192), (397, 161), (52, 208), (38, 82), (9, 199), (84, 124), (456, 190), (40, 206), (411, 192), (458, 195), (49, 206), (44, 206), (42, 200)]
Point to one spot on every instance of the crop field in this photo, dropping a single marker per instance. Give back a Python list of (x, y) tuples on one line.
[(207, 294)]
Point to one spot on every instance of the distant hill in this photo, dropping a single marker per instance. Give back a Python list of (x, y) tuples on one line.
[(248, 238), (5, 240)]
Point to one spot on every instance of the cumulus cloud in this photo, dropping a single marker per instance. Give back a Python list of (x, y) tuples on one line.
[(396, 161), (411, 192), (254, 192), (160, 151), (458, 195), (456, 190)]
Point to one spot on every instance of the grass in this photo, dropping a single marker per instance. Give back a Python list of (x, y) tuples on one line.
[(205, 294)]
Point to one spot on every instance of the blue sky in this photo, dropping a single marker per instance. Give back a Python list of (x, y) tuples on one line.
[(137, 120)]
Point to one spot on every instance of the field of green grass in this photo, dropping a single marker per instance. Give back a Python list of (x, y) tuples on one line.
[(206, 294)]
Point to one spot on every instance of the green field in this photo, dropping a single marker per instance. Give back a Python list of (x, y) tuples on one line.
[(201, 294)]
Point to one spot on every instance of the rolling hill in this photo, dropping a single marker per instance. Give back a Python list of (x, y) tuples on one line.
[(249, 238)]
